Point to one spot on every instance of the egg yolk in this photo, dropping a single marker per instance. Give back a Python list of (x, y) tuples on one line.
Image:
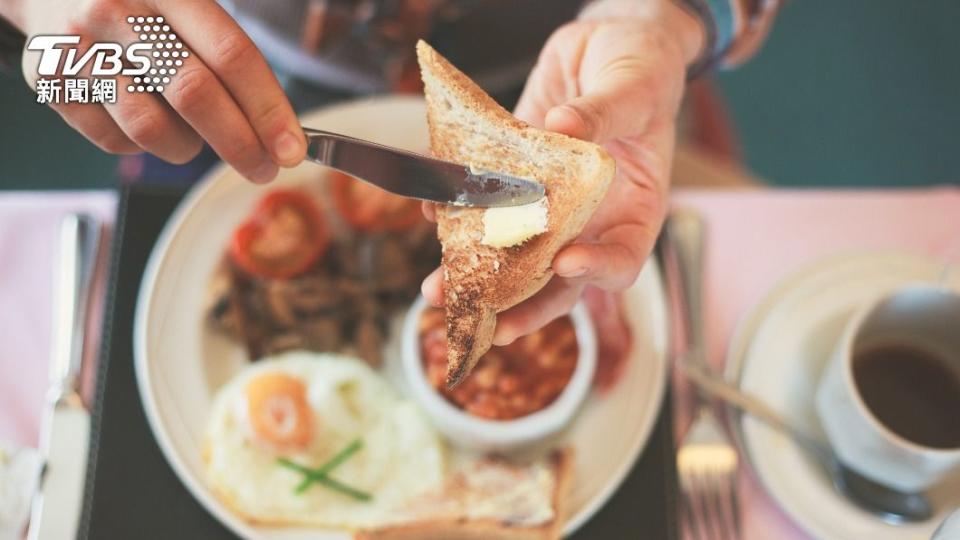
[(278, 411)]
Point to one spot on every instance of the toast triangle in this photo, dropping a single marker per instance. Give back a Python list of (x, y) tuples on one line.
[(467, 126)]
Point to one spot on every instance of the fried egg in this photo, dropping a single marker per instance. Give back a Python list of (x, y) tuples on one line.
[(306, 408)]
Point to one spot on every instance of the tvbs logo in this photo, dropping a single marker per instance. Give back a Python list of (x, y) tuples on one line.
[(151, 62), (107, 58)]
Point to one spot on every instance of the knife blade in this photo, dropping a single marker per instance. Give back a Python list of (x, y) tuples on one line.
[(411, 175), (65, 430)]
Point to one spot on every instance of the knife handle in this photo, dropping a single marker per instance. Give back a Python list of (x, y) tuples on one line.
[(79, 242), (686, 234)]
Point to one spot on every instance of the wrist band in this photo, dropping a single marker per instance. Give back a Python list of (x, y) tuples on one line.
[(719, 23)]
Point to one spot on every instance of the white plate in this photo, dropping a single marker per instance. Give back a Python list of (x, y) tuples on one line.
[(180, 364), (778, 353)]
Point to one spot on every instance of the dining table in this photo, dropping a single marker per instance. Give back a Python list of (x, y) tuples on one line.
[(756, 237)]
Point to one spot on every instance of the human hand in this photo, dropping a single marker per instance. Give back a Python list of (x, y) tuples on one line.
[(224, 93), (615, 77)]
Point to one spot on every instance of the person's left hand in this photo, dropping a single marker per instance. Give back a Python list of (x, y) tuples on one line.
[(617, 81)]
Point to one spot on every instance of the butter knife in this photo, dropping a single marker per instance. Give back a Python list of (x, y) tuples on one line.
[(420, 177), (65, 429)]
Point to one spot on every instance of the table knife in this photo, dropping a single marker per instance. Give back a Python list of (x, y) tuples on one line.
[(420, 177), (65, 428)]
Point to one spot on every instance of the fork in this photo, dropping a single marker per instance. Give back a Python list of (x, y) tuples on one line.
[(707, 465), (707, 462)]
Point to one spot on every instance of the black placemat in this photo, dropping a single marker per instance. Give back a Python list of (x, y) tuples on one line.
[(131, 491)]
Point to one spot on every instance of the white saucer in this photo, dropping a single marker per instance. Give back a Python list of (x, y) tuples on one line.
[(778, 353)]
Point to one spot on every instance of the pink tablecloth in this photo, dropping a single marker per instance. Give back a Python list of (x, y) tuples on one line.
[(756, 238), (29, 229)]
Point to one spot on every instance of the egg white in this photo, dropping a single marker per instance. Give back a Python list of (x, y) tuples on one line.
[(402, 455)]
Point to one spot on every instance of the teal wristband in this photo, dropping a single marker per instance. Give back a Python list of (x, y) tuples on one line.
[(718, 19)]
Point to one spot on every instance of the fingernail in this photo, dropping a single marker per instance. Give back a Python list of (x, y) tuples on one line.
[(434, 301), (432, 291), (580, 271), (502, 338), (288, 147), (265, 173), (567, 120)]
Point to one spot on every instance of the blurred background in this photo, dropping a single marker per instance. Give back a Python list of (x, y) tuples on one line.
[(843, 94)]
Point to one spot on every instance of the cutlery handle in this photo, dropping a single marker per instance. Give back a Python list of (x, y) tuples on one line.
[(686, 234), (79, 241), (747, 403)]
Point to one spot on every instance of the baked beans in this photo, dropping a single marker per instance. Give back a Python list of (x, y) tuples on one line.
[(508, 382)]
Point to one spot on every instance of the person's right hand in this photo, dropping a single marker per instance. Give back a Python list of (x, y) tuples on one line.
[(225, 93)]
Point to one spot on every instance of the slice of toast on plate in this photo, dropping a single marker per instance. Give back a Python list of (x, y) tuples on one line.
[(494, 259), (490, 499)]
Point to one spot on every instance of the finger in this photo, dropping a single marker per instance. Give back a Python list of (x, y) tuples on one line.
[(432, 288), (610, 266), (602, 116), (93, 122), (90, 120), (551, 81), (429, 211), (153, 125), (232, 56), (532, 106), (554, 300), (145, 117), (621, 89), (197, 95)]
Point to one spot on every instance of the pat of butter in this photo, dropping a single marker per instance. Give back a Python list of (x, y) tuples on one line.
[(476, 170), (512, 225)]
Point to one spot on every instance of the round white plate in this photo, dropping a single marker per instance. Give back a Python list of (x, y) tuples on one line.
[(180, 364), (778, 354)]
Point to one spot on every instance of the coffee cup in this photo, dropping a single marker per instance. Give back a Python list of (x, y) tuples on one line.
[(889, 399)]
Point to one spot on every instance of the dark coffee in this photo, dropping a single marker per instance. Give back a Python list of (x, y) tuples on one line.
[(912, 392)]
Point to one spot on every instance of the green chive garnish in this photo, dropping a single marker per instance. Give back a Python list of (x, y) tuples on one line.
[(320, 475)]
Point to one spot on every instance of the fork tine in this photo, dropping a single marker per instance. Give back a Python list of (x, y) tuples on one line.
[(693, 525), (714, 495), (734, 504), (709, 517), (695, 509), (725, 500), (707, 466), (720, 497)]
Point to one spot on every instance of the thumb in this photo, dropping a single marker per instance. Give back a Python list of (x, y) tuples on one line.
[(627, 75), (616, 105)]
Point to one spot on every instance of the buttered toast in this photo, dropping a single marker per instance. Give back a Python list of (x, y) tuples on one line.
[(487, 270)]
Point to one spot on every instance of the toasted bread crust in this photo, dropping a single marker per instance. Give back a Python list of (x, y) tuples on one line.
[(468, 126), (457, 529)]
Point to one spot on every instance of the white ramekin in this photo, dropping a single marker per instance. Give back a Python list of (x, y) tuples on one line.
[(468, 431)]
